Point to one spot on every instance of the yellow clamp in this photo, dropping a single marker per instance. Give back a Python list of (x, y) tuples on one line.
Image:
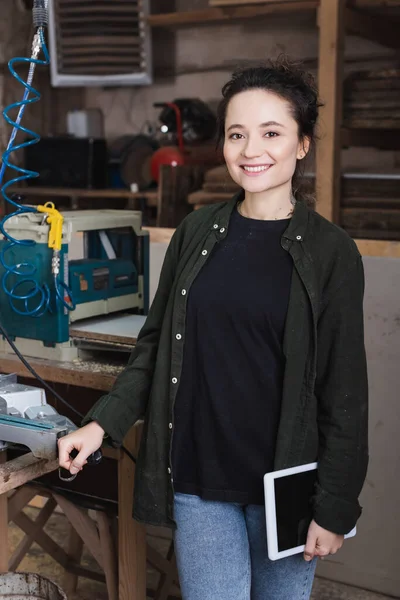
[(55, 220)]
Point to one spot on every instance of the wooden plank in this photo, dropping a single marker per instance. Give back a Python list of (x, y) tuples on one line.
[(374, 3), (19, 499), (151, 196), (218, 15), (42, 538), (368, 124), (3, 521), (119, 329), (160, 234), (374, 27), (330, 77), (378, 248), (83, 525), (25, 544), (203, 197), (176, 183), (385, 139), (242, 2), (131, 534), (18, 471), (75, 548), (110, 562), (89, 374)]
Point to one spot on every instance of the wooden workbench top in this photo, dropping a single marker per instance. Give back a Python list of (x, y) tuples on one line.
[(97, 375)]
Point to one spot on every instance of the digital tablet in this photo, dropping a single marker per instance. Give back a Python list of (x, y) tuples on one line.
[(288, 509)]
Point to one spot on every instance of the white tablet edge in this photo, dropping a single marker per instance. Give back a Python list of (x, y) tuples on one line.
[(270, 511)]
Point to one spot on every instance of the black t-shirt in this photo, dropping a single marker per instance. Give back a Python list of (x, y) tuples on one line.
[(228, 404)]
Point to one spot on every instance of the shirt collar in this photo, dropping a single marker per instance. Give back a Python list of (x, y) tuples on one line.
[(296, 229)]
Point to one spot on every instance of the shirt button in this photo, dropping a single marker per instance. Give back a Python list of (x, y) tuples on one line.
[(170, 425), (204, 252), (215, 225), (178, 336), (183, 292), (222, 230), (169, 470), (174, 380), (298, 237)]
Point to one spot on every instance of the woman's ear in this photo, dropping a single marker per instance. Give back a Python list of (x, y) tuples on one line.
[(303, 148)]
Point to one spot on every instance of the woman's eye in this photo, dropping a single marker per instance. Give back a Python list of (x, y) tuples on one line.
[(235, 136), (271, 134)]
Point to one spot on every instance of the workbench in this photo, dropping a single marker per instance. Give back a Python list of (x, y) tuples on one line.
[(131, 535)]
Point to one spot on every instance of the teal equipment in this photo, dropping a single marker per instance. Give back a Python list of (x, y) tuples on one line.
[(103, 266)]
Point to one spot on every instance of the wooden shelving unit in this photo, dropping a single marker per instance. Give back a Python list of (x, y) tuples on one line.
[(219, 15), (335, 19)]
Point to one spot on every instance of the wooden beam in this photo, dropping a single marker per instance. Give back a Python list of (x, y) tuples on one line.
[(374, 3), (330, 78), (378, 248), (97, 376), (131, 534), (18, 471), (3, 522), (219, 15), (374, 27), (385, 139)]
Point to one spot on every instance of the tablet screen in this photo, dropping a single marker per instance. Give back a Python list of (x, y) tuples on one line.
[(293, 495)]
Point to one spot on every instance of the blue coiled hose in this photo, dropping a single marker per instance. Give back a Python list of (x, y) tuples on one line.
[(36, 297)]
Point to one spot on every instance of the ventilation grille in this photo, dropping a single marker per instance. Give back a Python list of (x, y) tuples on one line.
[(99, 42)]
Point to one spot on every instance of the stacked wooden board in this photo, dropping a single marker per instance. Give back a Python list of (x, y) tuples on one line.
[(370, 202), (372, 99), (242, 2)]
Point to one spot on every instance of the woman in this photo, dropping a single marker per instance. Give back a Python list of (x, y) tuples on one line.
[(251, 359)]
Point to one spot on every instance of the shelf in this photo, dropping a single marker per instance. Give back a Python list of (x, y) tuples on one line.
[(75, 193), (384, 139), (220, 15)]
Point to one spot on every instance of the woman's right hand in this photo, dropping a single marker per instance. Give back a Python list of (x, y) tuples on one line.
[(86, 440)]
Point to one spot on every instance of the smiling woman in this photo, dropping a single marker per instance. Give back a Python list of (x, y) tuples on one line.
[(267, 127), (251, 360)]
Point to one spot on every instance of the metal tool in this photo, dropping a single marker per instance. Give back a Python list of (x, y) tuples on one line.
[(27, 420)]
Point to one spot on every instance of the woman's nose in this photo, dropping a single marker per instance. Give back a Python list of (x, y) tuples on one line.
[(253, 148)]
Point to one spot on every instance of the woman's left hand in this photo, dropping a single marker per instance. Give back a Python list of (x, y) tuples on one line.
[(321, 542)]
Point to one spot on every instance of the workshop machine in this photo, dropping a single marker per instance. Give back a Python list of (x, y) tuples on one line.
[(55, 269), (102, 267), (26, 419)]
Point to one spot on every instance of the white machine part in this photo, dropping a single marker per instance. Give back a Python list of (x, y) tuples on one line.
[(26, 419)]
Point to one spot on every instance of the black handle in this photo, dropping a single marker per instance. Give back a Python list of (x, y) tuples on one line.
[(160, 104), (93, 459)]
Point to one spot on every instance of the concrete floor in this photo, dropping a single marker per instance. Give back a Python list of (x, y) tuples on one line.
[(38, 562)]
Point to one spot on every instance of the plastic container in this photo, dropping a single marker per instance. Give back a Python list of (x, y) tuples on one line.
[(28, 586)]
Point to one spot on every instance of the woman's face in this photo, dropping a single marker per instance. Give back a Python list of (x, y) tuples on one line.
[(261, 144)]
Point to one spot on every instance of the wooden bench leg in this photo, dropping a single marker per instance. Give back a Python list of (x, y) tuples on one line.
[(75, 548), (167, 578), (3, 524), (110, 562), (23, 547)]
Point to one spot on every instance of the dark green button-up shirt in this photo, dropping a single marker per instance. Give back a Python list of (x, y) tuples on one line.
[(325, 393)]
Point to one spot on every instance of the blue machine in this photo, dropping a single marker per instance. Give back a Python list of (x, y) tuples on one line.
[(103, 269)]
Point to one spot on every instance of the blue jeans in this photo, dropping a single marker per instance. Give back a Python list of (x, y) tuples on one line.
[(221, 552)]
